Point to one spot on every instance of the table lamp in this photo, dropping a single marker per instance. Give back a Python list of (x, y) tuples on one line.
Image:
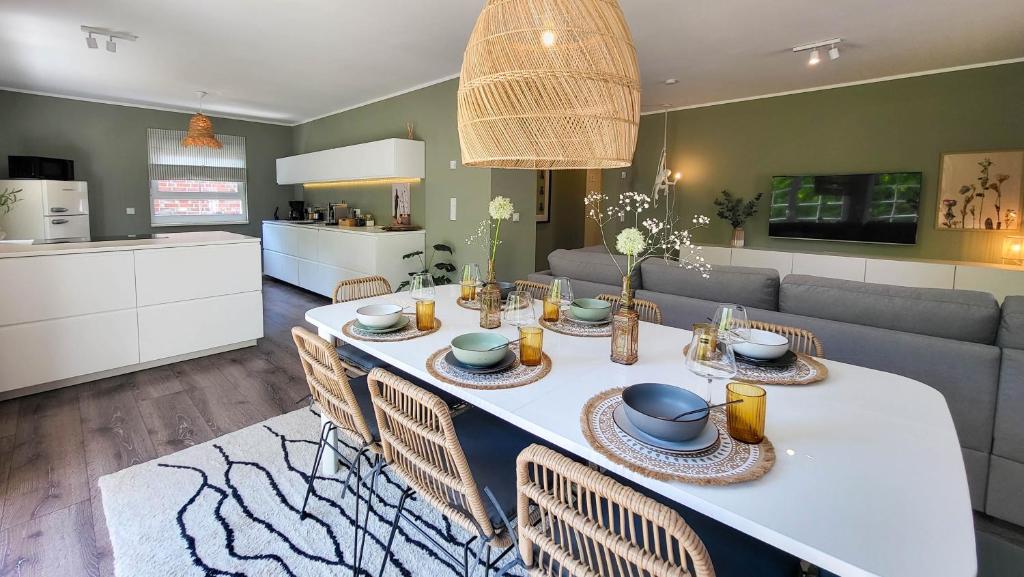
[(1013, 250)]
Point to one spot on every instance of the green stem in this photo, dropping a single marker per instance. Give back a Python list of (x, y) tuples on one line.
[(494, 244)]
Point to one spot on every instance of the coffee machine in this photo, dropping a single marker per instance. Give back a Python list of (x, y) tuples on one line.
[(296, 210)]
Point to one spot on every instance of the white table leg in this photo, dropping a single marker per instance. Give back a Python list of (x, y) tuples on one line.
[(329, 462)]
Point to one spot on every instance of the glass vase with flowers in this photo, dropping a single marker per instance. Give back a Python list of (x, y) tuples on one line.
[(488, 236)]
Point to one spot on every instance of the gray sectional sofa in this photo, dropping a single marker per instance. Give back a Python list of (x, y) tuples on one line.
[(959, 342)]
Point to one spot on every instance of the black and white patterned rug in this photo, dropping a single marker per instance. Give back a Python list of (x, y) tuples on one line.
[(231, 507)]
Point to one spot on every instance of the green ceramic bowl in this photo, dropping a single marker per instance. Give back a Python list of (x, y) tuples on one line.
[(592, 310), (472, 348)]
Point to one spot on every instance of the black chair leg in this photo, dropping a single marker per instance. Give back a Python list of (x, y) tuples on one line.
[(394, 529), (316, 465), (377, 465)]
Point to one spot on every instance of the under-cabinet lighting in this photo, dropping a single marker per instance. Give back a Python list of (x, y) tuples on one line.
[(363, 182)]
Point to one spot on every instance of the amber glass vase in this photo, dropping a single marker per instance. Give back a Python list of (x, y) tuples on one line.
[(490, 301), (625, 328)]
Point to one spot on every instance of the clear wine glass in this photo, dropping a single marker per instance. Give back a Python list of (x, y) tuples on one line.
[(561, 292), (709, 356), (470, 282), (422, 287), (519, 309), (731, 322)]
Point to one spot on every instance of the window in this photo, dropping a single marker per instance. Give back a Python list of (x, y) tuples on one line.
[(196, 186)]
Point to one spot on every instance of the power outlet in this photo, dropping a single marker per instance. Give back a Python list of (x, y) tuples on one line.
[(451, 208), (129, 210), (452, 164), (515, 217)]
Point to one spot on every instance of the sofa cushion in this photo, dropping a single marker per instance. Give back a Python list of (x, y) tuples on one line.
[(752, 287), (952, 314), (1009, 430), (580, 288), (680, 312), (592, 266), (1006, 490), (1011, 323), (967, 374)]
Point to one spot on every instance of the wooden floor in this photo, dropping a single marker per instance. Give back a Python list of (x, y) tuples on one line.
[(55, 445)]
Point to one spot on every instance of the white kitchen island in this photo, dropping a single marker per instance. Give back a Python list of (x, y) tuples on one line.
[(75, 312)]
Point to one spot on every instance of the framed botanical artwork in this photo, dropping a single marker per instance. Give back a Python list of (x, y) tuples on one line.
[(980, 190), (543, 196)]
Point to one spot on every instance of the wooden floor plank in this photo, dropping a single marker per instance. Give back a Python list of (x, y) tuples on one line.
[(155, 382), (174, 423), (224, 408), (8, 418), (57, 544), (48, 470), (6, 451)]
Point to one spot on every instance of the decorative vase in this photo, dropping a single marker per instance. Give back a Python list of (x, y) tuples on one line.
[(737, 237), (625, 328), (490, 300)]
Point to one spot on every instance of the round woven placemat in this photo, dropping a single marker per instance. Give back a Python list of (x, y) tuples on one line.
[(408, 332), (724, 463), (805, 371), (517, 376), (569, 326), (473, 305)]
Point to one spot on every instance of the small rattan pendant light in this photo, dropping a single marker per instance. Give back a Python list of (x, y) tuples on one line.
[(200, 130), (549, 84)]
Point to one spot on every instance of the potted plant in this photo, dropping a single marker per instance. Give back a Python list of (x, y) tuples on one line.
[(650, 237), (500, 208), (737, 211), (7, 199), (444, 267)]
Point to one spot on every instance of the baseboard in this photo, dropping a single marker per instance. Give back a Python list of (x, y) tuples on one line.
[(43, 387)]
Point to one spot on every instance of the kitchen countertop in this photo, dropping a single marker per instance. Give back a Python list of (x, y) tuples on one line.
[(368, 230), (10, 249)]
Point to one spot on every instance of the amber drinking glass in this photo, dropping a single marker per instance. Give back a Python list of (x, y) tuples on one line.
[(425, 315), (470, 281), (531, 345), (746, 419), (468, 291), (551, 310)]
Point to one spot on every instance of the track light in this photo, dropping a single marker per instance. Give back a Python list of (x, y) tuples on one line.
[(815, 49), (111, 35), (111, 45), (91, 42)]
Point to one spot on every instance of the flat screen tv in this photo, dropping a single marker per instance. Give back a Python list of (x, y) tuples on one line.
[(879, 207)]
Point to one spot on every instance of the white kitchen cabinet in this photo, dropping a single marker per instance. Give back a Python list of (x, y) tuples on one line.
[(717, 255), (177, 274), (1001, 281), (281, 266), (338, 254), (389, 158), (38, 288), (831, 266), (780, 261), (173, 329), (909, 273), (52, 350)]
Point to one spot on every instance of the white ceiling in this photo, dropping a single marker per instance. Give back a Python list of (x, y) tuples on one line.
[(291, 61)]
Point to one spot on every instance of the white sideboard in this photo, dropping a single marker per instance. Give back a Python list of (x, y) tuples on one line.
[(76, 312), (317, 257), (1000, 280)]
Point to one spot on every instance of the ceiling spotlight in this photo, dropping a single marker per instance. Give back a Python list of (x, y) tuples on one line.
[(815, 50), (833, 53), (111, 45), (671, 81), (815, 58), (91, 42), (111, 35)]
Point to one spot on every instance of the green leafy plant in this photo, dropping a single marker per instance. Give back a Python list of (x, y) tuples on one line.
[(7, 199), (441, 269), (734, 209)]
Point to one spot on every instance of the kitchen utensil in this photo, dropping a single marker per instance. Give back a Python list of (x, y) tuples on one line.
[(480, 349), (708, 408), (653, 406)]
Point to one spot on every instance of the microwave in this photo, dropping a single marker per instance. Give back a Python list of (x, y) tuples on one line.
[(40, 167)]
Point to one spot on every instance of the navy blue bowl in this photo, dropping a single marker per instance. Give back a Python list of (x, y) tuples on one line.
[(651, 407)]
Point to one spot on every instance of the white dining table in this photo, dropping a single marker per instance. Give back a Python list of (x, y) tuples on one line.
[(868, 480)]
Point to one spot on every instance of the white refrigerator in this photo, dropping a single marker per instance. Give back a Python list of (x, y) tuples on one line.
[(47, 210)]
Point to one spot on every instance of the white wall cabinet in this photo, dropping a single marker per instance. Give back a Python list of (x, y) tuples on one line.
[(316, 258), (389, 158)]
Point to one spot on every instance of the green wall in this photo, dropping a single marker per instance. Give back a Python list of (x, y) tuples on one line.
[(568, 188), (897, 125), (432, 110), (108, 145)]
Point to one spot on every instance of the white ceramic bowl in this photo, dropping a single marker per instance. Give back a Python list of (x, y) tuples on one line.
[(379, 316), (762, 345)]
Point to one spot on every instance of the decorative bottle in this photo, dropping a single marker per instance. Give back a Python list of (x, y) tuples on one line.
[(625, 328), (490, 300)]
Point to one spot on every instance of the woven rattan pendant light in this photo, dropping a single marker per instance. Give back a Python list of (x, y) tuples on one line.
[(200, 130), (549, 84)]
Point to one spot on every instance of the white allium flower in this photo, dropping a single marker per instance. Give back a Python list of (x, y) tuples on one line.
[(500, 208), (630, 241)]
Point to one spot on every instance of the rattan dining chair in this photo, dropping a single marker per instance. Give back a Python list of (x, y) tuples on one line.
[(586, 523), (355, 360), (346, 408), (800, 340), (648, 310), (445, 461), (537, 290)]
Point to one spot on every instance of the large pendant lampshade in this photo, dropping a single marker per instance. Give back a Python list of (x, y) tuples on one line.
[(200, 130), (549, 84)]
